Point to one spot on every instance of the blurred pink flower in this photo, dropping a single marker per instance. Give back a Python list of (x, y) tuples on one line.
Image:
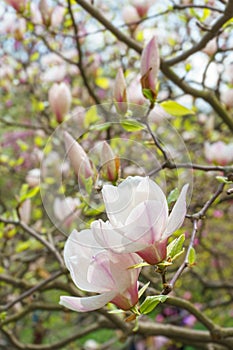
[(219, 152), (33, 177), (60, 100), (96, 270), (66, 209), (138, 219), (227, 98)]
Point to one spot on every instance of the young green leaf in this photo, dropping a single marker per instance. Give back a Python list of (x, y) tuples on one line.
[(191, 257), (132, 125), (174, 108), (175, 248), (173, 195), (151, 302)]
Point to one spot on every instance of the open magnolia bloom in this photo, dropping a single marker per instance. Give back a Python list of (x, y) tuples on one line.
[(97, 270), (138, 219)]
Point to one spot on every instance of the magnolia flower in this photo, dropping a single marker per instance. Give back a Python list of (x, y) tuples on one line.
[(78, 158), (120, 94), (138, 219), (150, 62), (97, 270), (218, 152), (110, 164), (60, 100)]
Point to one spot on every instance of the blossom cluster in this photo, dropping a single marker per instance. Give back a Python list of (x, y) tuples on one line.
[(104, 258)]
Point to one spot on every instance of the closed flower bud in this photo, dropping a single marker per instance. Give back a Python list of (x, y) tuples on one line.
[(60, 100), (149, 67), (130, 16), (46, 12), (110, 164), (120, 94), (142, 6), (78, 158), (18, 5)]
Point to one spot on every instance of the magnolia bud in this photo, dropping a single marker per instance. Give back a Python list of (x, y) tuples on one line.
[(120, 94), (130, 16), (78, 158), (60, 100), (110, 163), (149, 67), (211, 47), (142, 6), (18, 5), (46, 12)]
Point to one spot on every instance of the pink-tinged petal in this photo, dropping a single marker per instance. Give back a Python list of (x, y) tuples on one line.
[(109, 237), (178, 213), (100, 266), (78, 252), (147, 222), (86, 303), (121, 200), (155, 253)]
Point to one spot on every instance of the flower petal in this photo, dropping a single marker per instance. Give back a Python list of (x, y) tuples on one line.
[(78, 252), (121, 200), (86, 303), (178, 213)]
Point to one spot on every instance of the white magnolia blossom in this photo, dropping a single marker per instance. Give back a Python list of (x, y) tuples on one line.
[(138, 218), (97, 270)]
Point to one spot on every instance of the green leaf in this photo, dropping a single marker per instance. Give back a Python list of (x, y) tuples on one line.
[(91, 117), (174, 108), (25, 193), (101, 127), (136, 266), (223, 179), (132, 125), (173, 195), (21, 246), (143, 289), (147, 93), (151, 302), (175, 248), (191, 257)]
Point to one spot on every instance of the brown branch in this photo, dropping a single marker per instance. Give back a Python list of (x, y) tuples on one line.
[(212, 32), (58, 345), (31, 291), (167, 71)]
